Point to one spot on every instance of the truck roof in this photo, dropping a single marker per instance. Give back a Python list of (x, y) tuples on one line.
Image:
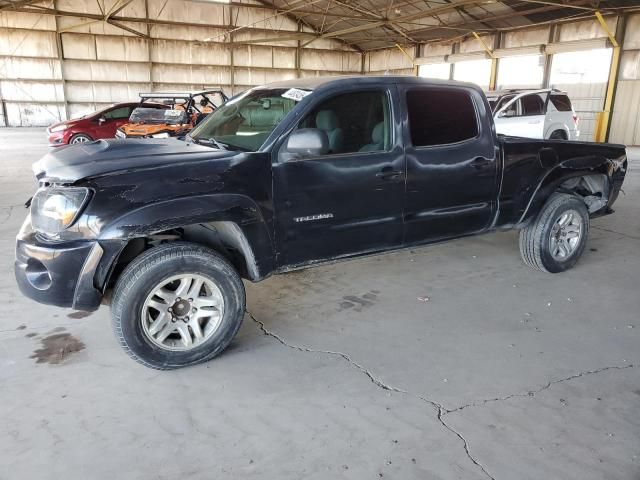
[(313, 83)]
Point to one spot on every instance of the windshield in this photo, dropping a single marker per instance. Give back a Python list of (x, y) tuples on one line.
[(246, 121), (158, 116)]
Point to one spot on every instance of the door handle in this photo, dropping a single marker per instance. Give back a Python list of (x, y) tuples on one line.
[(388, 174), (534, 122), (480, 162)]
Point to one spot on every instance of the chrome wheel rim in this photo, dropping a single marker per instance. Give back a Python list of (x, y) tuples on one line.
[(566, 235), (80, 140), (182, 312)]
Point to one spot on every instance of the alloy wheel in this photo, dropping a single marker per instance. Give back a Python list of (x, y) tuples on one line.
[(182, 312), (566, 234)]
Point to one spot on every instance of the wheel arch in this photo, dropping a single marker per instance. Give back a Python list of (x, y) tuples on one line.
[(592, 185), (557, 127), (229, 224), (75, 133)]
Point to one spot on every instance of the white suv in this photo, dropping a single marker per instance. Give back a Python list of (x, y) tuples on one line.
[(534, 114)]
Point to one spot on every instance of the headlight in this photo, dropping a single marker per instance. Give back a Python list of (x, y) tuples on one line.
[(160, 135), (59, 128), (55, 209), (120, 134)]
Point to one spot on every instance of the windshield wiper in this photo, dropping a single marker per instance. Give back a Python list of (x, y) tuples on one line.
[(211, 142), (221, 146)]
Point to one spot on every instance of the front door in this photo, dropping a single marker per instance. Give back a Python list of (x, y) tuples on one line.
[(111, 121), (349, 200), (451, 163)]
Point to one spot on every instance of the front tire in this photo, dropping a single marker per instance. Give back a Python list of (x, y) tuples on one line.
[(555, 240), (80, 138), (176, 305)]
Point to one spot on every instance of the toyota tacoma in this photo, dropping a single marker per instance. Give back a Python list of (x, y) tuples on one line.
[(286, 176)]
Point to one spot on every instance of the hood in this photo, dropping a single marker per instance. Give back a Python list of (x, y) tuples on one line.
[(68, 123), (71, 163)]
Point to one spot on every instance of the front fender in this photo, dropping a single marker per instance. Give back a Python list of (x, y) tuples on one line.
[(168, 214), (240, 215)]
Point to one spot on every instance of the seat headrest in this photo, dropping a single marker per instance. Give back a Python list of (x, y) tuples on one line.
[(377, 136), (327, 120)]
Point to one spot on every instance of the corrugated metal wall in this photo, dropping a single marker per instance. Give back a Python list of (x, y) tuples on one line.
[(51, 67), (44, 74), (625, 124), (390, 61), (584, 79)]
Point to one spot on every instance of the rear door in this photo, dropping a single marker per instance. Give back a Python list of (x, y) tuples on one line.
[(451, 163), (524, 116), (349, 200)]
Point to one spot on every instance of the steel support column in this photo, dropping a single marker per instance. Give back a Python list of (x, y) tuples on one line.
[(3, 105), (603, 125), (60, 53), (149, 45), (494, 61), (298, 53)]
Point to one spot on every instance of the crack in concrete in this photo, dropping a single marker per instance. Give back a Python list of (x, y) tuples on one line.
[(9, 212), (533, 393), (441, 411), (633, 237)]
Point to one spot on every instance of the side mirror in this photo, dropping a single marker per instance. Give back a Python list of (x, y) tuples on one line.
[(308, 142), (101, 120)]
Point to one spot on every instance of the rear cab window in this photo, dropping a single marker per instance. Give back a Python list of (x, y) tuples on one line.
[(561, 102), (441, 116)]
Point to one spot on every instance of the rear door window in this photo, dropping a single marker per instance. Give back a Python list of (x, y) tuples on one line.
[(440, 116), (532, 105), (561, 102)]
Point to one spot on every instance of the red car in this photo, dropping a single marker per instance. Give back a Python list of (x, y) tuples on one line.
[(93, 126)]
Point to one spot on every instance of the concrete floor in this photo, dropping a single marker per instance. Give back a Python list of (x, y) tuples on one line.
[(445, 362)]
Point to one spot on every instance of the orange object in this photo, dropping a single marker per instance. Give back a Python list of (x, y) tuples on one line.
[(187, 110)]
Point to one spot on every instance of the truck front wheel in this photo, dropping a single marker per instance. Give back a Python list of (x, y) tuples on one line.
[(555, 240), (176, 305)]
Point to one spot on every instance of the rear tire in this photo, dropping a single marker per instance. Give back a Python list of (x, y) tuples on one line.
[(555, 240), (558, 135), (80, 138), (176, 305)]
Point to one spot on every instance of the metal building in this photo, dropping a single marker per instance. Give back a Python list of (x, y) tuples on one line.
[(62, 58)]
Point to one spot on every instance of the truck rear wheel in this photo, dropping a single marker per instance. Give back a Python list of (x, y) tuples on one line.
[(176, 305), (558, 135), (554, 241)]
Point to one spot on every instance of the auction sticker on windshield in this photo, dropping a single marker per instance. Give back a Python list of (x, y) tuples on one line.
[(295, 94)]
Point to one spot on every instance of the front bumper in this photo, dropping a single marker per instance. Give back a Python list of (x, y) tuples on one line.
[(58, 139), (58, 274)]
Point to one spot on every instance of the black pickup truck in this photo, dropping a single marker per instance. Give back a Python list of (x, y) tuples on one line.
[(286, 176)]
